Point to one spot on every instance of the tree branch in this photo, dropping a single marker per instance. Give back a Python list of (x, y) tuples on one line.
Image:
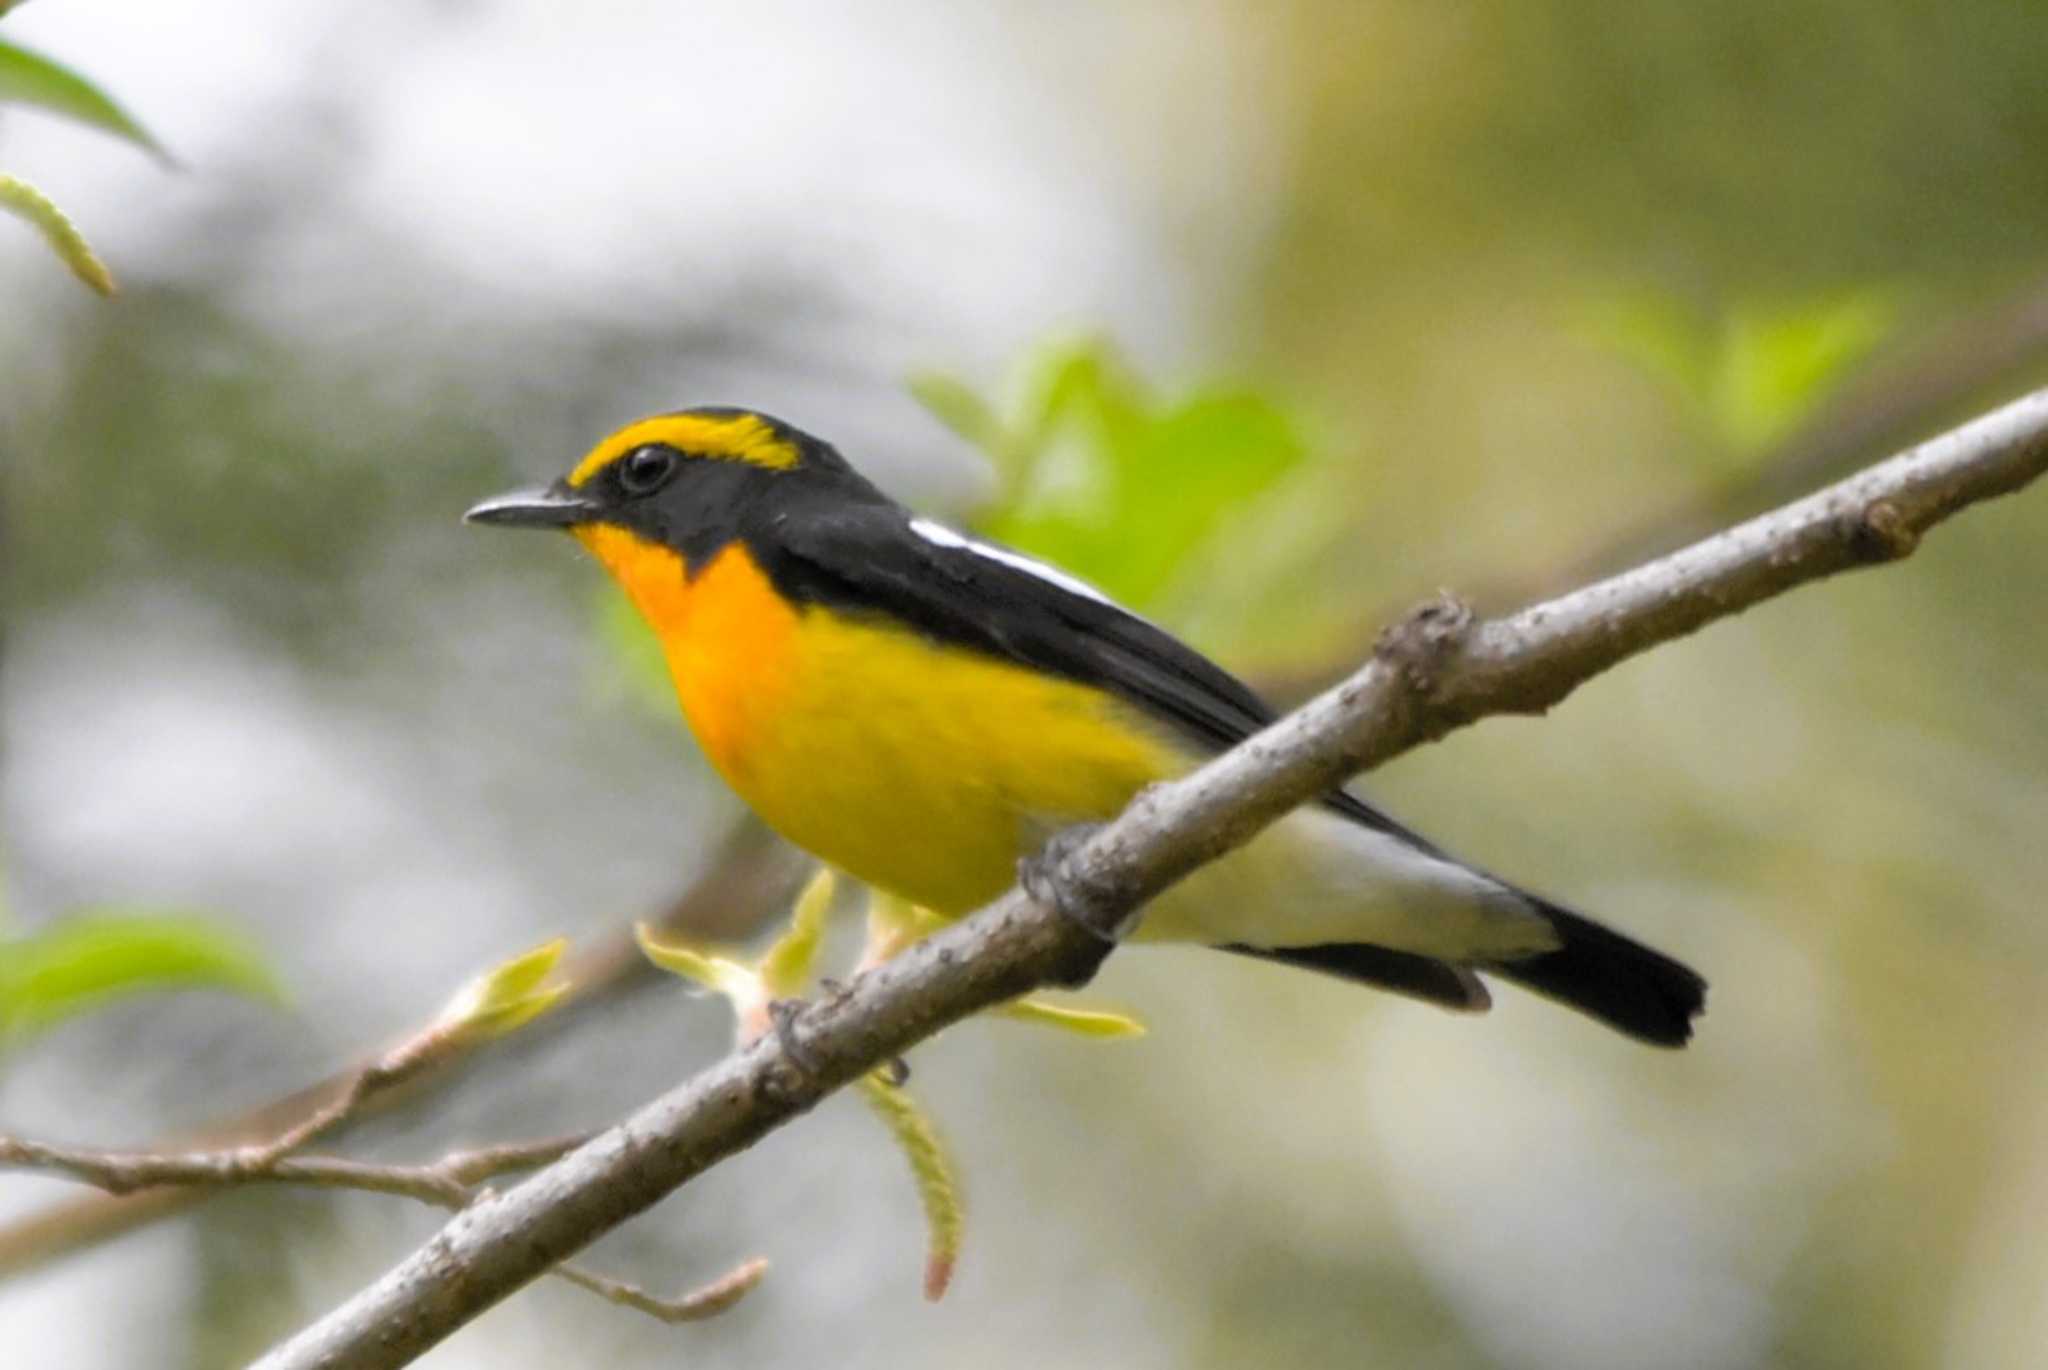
[(1435, 671)]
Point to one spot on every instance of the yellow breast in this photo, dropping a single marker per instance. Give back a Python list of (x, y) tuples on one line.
[(923, 769)]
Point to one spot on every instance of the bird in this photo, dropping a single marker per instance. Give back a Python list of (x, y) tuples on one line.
[(923, 710)]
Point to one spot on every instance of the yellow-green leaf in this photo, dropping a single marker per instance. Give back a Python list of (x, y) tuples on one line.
[(786, 965), (509, 995), (1099, 1023), (728, 977)]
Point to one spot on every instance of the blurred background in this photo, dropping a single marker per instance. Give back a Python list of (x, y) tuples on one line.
[(1273, 317)]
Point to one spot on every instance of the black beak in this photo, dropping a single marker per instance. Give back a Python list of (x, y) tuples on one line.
[(552, 506)]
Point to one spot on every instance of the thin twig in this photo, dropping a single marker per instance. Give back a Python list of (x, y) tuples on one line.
[(409, 1058), (491, 1004), (752, 874), (1436, 671), (705, 1301), (447, 1183)]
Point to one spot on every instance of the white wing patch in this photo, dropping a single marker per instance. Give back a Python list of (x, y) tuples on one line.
[(938, 535)]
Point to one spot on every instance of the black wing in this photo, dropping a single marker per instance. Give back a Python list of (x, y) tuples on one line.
[(955, 590)]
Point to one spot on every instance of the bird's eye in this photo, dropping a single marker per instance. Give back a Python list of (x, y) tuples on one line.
[(644, 470)]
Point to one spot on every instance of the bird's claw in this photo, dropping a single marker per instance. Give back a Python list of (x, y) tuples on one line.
[(782, 1016), (1043, 877)]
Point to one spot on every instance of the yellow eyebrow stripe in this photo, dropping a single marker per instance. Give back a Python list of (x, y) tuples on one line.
[(728, 437)]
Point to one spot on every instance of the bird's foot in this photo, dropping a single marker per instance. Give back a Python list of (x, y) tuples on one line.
[(1044, 878), (782, 1016)]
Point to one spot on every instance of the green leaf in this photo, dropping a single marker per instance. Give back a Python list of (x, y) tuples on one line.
[(1080, 380), (25, 201), (1215, 453), (1759, 371), (90, 959), (1148, 496), (1126, 491), (31, 79)]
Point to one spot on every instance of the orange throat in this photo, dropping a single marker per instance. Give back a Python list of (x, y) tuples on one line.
[(726, 633)]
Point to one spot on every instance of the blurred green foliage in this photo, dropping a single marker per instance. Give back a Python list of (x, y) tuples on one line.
[(1101, 475), (1759, 370), (94, 957)]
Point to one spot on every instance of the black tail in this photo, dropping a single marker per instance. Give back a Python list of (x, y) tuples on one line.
[(1596, 970), (1623, 983)]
